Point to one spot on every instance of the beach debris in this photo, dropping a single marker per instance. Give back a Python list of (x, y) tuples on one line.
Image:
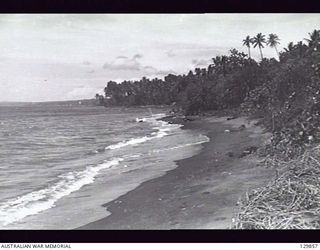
[(227, 130), (231, 118), (140, 119), (291, 200)]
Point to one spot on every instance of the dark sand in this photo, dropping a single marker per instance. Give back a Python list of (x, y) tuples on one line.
[(202, 192)]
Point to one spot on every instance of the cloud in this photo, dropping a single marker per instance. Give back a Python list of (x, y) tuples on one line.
[(149, 68), (166, 72), (137, 56), (122, 57), (200, 62), (152, 71), (133, 67), (123, 63)]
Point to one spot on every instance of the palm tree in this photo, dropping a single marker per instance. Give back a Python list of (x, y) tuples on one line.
[(247, 42), (314, 39), (290, 47), (219, 63), (259, 40), (273, 41)]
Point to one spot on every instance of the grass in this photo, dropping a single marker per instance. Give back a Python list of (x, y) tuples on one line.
[(291, 200)]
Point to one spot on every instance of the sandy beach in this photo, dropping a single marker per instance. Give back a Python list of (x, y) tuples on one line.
[(202, 192)]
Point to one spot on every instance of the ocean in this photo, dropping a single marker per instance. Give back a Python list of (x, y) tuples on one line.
[(60, 162)]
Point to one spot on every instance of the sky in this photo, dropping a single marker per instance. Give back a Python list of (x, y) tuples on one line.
[(55, 57)]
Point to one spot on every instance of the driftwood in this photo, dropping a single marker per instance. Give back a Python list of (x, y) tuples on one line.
[(290, 201)]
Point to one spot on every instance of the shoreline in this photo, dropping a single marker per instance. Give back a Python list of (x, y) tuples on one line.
[(203, 190)]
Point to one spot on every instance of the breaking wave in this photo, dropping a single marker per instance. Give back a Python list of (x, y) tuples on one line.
[(32, 203), (163, 128)]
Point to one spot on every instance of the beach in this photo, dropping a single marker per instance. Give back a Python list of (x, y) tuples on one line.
[(62, 156), (202, 191)]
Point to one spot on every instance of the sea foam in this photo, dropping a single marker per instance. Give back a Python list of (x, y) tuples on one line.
[(205, 139), (163, 128), (32, 203)]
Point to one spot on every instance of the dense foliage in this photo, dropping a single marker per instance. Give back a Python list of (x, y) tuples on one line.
[(285, 91)]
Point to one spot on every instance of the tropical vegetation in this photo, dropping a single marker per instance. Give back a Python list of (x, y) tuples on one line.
[(284, 92)]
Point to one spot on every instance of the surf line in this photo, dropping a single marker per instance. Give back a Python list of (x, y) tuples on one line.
[(162, 128), (37, 201)]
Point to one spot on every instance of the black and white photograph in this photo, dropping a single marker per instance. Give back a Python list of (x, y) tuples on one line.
[(159, 121)]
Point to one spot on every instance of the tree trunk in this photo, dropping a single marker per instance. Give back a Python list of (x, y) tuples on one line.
[(261, 53), (277, 52), (249, 52)]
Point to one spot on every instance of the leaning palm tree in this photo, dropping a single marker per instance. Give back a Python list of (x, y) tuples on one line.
[(259, 40), (273, 41), (247, 42)]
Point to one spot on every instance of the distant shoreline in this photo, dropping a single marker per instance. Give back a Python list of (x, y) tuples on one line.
[(202, 192)]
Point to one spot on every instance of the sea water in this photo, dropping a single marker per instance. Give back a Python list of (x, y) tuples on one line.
[(60, 162)]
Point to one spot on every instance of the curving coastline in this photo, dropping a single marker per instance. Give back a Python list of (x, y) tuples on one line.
[(202, 192)]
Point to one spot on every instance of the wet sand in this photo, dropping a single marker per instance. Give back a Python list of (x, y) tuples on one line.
[(202, 192)]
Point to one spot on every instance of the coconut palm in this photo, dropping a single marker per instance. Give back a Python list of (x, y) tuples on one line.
[(314, 39), (220, 63), (290, 47), (247, 42), (259, 40), (273, 41)]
